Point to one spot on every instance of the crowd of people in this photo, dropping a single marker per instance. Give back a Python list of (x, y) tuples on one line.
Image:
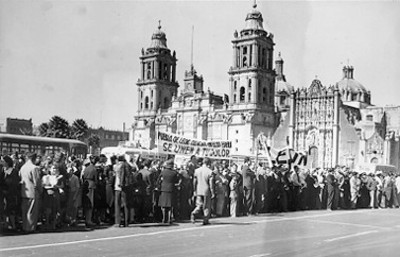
[(57, 191)]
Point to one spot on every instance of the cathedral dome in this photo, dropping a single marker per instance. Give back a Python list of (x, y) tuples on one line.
[(254, 19), (348, 83), (159, 39), (351, 90), (351, 85), (283, 86), (280, 80)]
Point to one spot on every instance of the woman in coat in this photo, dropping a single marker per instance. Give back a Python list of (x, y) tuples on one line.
[(167, 180), (10, 190), (221, 190)]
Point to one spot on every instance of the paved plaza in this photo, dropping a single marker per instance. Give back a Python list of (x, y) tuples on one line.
[(309, 233)]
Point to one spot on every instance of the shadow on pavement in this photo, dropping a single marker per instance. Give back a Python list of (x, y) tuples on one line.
[(41, 230)]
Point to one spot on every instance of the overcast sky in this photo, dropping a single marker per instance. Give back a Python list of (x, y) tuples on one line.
[(80, 59)]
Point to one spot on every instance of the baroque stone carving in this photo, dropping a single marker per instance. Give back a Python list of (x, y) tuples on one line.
[(148, 122), (159, 119), (312, 137), (248, 117), (172, 120), (227, 118), (203, 119)]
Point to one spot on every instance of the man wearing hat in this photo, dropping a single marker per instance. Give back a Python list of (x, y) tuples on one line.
[(372, 185), (203, 185)]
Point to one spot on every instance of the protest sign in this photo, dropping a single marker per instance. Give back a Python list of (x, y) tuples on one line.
[(290, 156), (179, 145)]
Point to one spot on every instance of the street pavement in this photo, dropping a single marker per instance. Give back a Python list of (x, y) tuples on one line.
[(307, 233)]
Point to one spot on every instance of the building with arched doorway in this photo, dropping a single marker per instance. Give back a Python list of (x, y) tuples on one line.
[(338, 125)]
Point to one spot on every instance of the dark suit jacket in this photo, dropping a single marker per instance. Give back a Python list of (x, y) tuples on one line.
[(330, 181), (248, 177)]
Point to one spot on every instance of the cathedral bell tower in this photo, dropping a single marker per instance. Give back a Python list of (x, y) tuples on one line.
[(157, 84), (157, 87), (252, 76)]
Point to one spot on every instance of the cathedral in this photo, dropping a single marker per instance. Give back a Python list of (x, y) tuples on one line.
[(335, 124), (248, 110)]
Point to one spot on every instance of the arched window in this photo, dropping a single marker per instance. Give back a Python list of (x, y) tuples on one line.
[(249, 97), (148, 70), (141, 94), (263, 58), (264, 94), (146, 103), (235, 85), (282, 99), (166, 102), (234, 98), (242, 94), (165, 71), (141, 106), (244, 50), (151, 93), (249, 84), (151, 105), (245, 61)]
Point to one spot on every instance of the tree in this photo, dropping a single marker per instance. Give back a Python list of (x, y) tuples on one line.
[(94, 141), (79, 129), (59, 127), (44, 130)]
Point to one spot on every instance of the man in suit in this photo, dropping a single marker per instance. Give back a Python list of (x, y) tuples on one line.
[(248, 186), (331, 184), (30, 193), (203, 185), (387, 187), (89, 185), (122, 170), (148, 181)]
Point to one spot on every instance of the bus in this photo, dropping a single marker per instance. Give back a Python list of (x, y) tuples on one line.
[(10, 143)]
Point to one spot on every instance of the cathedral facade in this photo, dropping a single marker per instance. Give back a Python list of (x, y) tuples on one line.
[(196, 113), (338, 125), (334, 125)]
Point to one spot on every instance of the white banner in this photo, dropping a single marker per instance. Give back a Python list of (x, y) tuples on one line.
[(179, 145)]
